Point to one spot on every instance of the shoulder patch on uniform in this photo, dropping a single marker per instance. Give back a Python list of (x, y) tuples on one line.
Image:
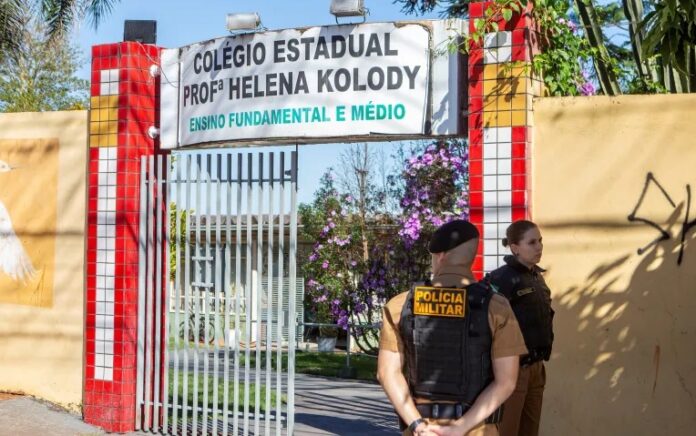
[(524, 291), (431, 301)]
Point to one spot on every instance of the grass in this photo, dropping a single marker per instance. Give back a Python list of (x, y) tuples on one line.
[(220, 399), (308, 362), (322, 364), (329, 364)]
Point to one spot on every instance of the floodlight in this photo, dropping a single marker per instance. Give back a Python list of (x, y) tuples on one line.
[(245, 21), (348, 8)]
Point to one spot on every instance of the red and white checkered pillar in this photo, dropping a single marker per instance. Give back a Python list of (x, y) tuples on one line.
[(501, 88), (124, 105)]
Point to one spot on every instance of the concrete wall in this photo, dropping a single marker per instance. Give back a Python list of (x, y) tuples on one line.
[(609, 176), (41, 307)]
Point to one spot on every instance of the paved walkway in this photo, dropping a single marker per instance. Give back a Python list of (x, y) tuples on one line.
[(23, 416), (324, 406), (341, 407)]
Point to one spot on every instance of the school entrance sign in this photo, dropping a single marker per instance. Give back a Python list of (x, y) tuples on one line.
[(368, 81)]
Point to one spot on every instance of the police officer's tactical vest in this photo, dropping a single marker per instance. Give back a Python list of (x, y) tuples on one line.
[(530, 299), (448, 352)]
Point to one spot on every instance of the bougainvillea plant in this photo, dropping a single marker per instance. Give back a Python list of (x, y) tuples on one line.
[(343, 287), (335, 258)]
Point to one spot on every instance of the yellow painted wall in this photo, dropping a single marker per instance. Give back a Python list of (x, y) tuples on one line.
[(41, 317), (624, 360)]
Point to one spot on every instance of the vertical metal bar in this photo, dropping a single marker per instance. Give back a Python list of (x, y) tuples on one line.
[(228, 293), (348, 347), (187, 290), (142, 289), (179, 212), (269, 295), (218, 286), (259, 295), (207, 290), (248, 292), (149, 332), (237, 293), (293, 286), (197, 291), (158, 292), (166, 289), (281, 290)]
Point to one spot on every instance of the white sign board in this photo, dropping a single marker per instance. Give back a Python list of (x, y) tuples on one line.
[(319, 82)]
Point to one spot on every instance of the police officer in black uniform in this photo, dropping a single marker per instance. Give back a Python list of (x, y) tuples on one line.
[(449, 350), (521, 282)]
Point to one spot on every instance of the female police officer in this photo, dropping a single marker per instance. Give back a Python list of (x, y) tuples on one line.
[(458, 342), (520, 281)]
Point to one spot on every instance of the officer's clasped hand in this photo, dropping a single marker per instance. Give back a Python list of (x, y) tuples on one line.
[(423, 429), (445, 430)]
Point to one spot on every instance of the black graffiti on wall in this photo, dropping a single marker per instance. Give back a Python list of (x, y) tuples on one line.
[(664, 233)]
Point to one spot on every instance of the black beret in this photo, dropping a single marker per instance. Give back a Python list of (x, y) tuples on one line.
[(449, 235)]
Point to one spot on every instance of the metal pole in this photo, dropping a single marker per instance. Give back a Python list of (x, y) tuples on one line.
[(197, 292), (218, 287), (237, 292), (227, 285), (259, 294), (206, 296), (158, 292), (281, 290), (293, 290), (166, 290), (269, 296), (348, 348), (249, 295), (177, 293), (187, 289), (149, 332), (142, 290)]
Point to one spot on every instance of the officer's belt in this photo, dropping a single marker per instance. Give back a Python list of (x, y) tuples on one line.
[(454, 411)]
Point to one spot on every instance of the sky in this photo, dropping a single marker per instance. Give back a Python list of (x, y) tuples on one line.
[(181, 23)]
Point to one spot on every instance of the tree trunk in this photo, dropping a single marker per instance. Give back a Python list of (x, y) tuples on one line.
[(588, 17), (633, 9)]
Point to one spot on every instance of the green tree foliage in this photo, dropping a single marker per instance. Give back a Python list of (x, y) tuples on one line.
[(635, 46), (670, 38), (39, 75), (58, 16), (448, 8), (177, 242), (565, 49), (11, 20), (606, 72)]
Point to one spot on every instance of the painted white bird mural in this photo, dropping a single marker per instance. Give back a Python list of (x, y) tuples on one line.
[(13, 259)]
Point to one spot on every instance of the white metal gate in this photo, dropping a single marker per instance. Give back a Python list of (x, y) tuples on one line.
[(216, 323)]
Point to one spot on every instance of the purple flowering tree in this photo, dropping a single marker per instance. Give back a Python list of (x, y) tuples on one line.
[(433, 190), (347, 285), (432, 187), (335, 261)]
